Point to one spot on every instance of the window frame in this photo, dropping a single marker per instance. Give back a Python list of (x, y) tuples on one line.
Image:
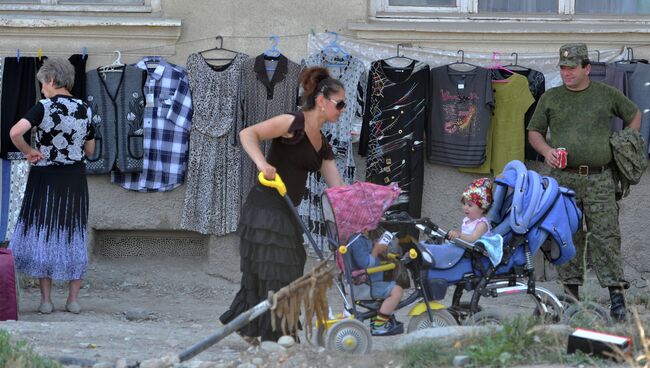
[(382, 9), (462, 6), (147, 6)]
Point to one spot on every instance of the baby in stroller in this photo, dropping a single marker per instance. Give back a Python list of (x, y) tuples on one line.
[(367, 251), (476, 200)]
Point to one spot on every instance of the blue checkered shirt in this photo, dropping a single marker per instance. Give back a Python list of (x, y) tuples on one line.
[(167, 122)]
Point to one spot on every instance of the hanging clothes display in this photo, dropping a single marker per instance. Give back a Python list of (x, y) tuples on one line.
[(392, 134), (537, 87), (165, 116), (352, 73), (263, 97), (461, 109), (505, 141), (213, 190), (18, 171), (78, 61), (607, 73), (116, 101), (638, 78), (19, 77)]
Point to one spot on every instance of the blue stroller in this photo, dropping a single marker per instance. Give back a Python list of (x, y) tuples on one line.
[(531, 213)]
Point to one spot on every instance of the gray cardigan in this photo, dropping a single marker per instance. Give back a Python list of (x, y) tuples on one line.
[(117, 103)]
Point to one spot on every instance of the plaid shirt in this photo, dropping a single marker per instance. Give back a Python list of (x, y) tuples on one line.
[(167, 120)]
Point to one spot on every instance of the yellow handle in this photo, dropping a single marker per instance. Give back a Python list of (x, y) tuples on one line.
[(413, 254), (382, 268), (343, 249), (276, 183), (392, 256)]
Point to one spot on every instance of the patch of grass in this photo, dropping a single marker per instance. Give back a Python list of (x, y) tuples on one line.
[(20, 355), (520, 342), (641, 357)]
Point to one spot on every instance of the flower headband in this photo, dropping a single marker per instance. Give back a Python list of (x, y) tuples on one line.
[(479, 193)]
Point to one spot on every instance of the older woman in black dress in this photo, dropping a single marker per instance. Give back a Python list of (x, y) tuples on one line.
[(50, 237), (271, 243)]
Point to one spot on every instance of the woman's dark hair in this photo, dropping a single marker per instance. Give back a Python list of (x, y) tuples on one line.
[(316, 80)]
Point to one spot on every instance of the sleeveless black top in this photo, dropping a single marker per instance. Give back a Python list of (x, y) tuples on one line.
[(295, 157)]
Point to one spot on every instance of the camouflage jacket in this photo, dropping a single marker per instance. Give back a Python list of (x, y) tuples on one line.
[(630, 159)]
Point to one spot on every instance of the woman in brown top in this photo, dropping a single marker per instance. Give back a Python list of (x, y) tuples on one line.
[(271, 243)]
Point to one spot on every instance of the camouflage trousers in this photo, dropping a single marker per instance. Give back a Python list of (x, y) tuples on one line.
[(601, 244)]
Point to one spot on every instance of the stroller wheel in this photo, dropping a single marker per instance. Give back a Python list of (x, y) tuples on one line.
[(586, 314), (485, 317), (441, 318), (554, 311), (348, 336)]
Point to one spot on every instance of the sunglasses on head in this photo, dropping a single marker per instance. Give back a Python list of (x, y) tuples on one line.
[(339, 105)]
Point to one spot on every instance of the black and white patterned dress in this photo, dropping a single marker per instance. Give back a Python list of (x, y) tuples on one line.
[(49, 240), (352, 73), (212, 196)]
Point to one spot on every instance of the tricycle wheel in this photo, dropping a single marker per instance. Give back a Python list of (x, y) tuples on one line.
[(485, 317), (440, 317), (348, 336)]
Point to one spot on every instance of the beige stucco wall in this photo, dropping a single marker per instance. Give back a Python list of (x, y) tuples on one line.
[(172, 32)]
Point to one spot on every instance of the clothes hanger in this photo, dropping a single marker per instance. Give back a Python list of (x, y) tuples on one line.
[(629, 58), (399, 57), (461, 66), (272, 52), (219, 47), (516, 67), (334, 49), (116, 66), (496, 66)]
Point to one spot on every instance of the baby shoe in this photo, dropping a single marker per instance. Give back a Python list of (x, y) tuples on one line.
[(46, 308), (73, 307)]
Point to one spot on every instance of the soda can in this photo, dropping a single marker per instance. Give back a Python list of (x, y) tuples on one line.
[(561, 152)]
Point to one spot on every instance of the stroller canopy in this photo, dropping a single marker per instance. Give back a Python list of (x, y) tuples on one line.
[(527, 203), (358, 207)]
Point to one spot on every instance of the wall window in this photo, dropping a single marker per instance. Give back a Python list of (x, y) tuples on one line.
[(101, 6), (596, 7), (612, 7), (517, 6), (74, 2)]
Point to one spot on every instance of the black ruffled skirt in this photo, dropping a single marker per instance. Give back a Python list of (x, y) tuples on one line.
[(272, 256)]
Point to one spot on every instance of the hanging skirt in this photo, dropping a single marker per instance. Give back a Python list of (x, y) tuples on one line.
[(50, 236), (272, 256)]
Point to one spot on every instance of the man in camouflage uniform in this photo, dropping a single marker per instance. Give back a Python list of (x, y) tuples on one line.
[(578, 115)]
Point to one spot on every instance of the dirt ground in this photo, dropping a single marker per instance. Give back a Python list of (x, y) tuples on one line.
[(179, 301)]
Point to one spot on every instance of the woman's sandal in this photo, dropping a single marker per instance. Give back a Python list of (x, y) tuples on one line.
[(253, 341)]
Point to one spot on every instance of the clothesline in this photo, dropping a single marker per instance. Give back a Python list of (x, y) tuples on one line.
[(368, 51)]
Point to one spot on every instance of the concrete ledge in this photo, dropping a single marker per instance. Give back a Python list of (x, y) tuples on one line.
[(473, 32), (101, 35), (445, 334)]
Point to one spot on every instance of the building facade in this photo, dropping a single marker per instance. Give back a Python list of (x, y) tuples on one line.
[(127, 223)]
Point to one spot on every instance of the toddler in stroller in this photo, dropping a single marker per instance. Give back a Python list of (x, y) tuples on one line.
[(367, 251), (476, 200), (529, 212)]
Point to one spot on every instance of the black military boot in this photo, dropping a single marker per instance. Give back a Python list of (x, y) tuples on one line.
[(572, 290), (617, 310)]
